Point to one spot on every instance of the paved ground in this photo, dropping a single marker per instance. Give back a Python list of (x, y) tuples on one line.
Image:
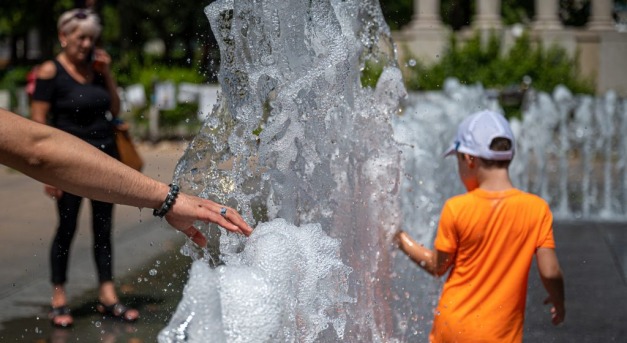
[(151, 271), (594, 260)]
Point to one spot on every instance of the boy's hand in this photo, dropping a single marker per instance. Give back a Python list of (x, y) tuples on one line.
[(398, 237), (557, 311)]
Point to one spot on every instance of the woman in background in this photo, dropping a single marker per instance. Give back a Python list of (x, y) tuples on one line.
[(76, 93)]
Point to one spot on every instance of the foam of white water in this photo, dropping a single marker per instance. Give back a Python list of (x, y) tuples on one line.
[(285, 286)]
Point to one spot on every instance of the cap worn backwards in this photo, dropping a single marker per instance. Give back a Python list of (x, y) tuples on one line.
[(476, 133)]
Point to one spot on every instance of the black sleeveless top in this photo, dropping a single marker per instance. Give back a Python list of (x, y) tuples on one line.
[(78, 109)]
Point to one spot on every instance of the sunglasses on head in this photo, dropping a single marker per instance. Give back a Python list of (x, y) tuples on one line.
[(81, 14)]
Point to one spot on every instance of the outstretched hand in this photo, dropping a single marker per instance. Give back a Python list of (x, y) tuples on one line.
[(557, 311), (187, 209)]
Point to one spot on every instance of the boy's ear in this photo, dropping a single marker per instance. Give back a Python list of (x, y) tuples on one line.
[(469, 160)]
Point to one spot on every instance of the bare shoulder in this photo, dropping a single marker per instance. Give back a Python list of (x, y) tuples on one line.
[(47, 70)]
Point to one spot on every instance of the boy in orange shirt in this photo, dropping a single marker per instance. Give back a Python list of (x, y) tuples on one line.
[(488, 236)]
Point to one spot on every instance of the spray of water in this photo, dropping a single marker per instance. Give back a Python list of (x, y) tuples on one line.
[(298, 145), (571, 152)]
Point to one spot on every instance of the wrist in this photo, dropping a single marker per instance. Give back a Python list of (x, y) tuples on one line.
[(168, 202)]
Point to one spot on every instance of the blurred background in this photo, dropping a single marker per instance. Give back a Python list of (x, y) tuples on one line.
[(166, 59)]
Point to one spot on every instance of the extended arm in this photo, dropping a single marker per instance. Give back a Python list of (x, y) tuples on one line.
[(553, 282), (435, 262), (52, 156)]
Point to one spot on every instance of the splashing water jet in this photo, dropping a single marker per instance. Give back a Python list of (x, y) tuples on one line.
[(298, 145)]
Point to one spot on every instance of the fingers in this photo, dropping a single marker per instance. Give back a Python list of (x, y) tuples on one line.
[(196, 236), (232, 221), (557, 316), (188, 208), (399, 239)]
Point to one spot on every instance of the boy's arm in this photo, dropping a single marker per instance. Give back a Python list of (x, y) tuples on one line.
[(435, 262), (553, 282)]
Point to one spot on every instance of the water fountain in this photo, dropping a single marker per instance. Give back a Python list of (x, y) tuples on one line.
[(572, 153), (329, 171), (298, 145)]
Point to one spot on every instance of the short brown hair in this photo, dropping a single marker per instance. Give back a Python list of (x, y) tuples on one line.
[(498, 144)]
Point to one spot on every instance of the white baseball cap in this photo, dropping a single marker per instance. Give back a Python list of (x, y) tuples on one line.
[(476, 133)]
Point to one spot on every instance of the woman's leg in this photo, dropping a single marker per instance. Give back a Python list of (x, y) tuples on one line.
[(68, 207), (102, 214), (103, 254)]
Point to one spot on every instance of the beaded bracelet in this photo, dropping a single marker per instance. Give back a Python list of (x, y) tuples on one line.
[(169, 201)]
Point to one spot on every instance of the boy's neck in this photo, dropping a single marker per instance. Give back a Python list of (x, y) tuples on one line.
[(494, 179)]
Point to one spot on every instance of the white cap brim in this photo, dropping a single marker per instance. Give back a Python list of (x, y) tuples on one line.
[(450, 151)]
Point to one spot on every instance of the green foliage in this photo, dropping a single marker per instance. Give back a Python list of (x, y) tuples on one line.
[(183, 114), (131, 70), (517, 11), (111, 31), (397, 12), (180, 122), (371, 72), (12, 79), (476, 62)]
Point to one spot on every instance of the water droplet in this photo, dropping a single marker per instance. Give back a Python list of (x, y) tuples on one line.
[(97, 323), (152, 272), (411, 62)]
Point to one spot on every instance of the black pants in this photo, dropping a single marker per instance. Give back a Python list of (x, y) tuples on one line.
[(68, 208)]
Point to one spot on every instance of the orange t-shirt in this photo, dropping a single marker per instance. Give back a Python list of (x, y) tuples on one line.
[(493, 236)]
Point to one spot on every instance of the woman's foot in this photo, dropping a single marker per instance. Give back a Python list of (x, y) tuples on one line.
[(118, 310), (59, 314), (110, 305), (60, 317)]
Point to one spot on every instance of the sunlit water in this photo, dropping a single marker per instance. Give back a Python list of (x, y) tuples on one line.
[(298, 146), (328, 170), (572, 151)]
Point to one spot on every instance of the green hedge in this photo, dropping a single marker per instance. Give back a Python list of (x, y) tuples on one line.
[(483, 63), (13, 78)]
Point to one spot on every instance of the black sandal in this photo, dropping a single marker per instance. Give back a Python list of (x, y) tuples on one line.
[(116, 310), (60, 311)]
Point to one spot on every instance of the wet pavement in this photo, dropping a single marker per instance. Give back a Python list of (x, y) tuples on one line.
[(154, 289), (151, 273)]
